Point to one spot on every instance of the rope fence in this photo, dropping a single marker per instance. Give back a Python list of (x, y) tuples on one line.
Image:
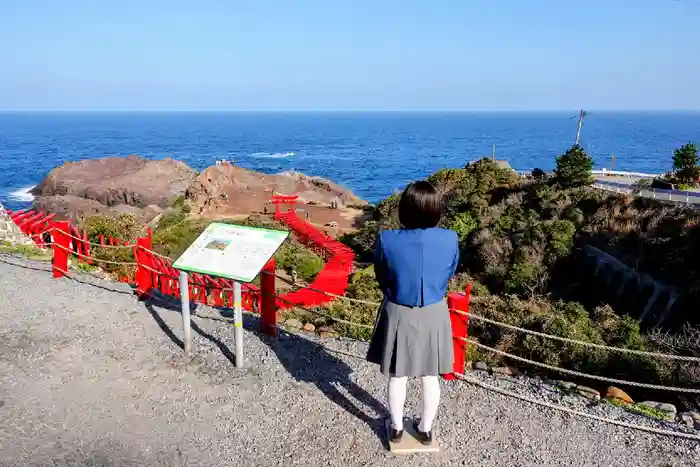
[(154, 272)]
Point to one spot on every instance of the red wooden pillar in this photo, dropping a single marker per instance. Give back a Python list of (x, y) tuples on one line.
[(268, 300), (460, 326), (61, 248), (144, 280)]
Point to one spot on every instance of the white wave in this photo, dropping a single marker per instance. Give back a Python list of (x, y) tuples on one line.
[(276, 155), (23, 194)]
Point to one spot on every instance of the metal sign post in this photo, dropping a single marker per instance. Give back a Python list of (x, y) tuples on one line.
[(234, 252), (185, 300), (238, 323)]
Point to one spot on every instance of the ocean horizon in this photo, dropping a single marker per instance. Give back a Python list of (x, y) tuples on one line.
[(373, 153)]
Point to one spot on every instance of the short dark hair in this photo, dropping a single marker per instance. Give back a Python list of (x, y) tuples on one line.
[(420, 206)]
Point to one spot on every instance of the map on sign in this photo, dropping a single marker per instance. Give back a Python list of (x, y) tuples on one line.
[(231, 251)]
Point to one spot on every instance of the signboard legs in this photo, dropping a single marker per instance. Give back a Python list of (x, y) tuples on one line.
[(238, 323), (185, 300)]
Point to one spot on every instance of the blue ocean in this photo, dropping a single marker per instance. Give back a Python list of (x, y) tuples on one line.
[(372, 153)]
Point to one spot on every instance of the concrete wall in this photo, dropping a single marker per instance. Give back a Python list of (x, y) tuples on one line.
[(651, 301), (9, 232)]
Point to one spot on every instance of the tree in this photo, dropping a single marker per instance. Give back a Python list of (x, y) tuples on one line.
[(574, 168), (685, 162)]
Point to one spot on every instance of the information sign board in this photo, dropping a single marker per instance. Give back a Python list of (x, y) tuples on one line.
[(231, 251)]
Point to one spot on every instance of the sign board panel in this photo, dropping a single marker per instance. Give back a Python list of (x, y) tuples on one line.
[(231, 251)]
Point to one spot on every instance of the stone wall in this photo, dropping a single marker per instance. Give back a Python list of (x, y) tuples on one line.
[(9, 232)]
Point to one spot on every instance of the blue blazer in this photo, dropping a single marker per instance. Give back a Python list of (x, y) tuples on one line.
[(413, 266)]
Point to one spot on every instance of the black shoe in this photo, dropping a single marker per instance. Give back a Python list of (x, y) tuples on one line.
[(396, 436), (424, 438)]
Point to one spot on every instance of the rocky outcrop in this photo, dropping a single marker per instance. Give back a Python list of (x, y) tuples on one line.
[(147, 187), (113, 185), (228, 190)]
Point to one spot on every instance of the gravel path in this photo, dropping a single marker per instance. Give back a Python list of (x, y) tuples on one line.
[(90, 376)]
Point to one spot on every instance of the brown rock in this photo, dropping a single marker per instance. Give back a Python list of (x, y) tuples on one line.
[(293, 323), (112, 185), (326, 331), (308, 327), (618, 395), (225, 190), (588, 393), (504, 371)]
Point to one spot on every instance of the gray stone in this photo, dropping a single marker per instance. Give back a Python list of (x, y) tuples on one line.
[(588, 393), (687, 420), (293, 323), (480, 366), (567, 385), (504, 371), (668, 409)]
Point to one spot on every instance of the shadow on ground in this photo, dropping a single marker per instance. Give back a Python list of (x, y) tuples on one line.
[(304, 359)]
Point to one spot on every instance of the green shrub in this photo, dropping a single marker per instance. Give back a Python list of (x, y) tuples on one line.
[(574, 168), (685, 162)]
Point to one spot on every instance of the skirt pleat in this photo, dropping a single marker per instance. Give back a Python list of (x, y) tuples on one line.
[(412, 341)]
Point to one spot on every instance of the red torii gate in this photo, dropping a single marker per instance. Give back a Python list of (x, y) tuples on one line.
[(289, 200)]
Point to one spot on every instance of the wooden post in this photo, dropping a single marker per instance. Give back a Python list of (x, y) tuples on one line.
[(268, 300), (460, 323), (61, 247)]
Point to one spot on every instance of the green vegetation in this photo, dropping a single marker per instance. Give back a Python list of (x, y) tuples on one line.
[(574, 168), (176, 230), (518, 239), (638, 409), (685, 162), (28, 251)]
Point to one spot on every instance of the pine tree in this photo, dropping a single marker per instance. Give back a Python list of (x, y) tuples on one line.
[(685, 162), (574, 168)]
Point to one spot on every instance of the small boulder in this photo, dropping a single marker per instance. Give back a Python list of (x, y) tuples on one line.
[(668, 409), (293, 323), (686, 420), (566, 385), (618, 395), (481, 366), (326, 331), (504, 371), (588, 393), (308, 327)]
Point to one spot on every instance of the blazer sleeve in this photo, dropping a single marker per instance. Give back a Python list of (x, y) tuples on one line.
[(455, 261), (380, 266)]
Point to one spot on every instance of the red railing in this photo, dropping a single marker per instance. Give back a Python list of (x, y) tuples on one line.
[(155, 272)]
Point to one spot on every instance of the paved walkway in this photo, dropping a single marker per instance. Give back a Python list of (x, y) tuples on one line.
[(90, 376)]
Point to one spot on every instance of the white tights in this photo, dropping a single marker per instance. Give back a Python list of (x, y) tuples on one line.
[(396, 392)]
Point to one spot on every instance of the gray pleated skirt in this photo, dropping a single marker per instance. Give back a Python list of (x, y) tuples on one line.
[(412, 341)]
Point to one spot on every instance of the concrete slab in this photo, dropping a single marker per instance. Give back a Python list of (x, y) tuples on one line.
[(409, 443)]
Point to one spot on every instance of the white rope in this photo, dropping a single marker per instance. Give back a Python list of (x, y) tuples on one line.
[(577, 342), (578, 373), (489, 387), (505, 392)]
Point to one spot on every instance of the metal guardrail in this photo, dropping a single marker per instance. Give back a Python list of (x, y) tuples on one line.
[(678, 196)]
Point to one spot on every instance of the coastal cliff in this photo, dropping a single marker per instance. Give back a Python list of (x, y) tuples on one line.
[(146, 188)]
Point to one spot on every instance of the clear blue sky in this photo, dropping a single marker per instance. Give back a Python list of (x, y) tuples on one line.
[(349, 55)]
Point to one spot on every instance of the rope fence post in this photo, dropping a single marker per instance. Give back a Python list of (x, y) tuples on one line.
[(144, 280), (268, 302), (61, 247), (460, 326)]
